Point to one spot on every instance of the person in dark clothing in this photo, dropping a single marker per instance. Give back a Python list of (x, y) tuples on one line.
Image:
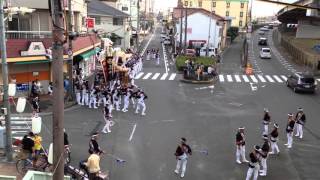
[(27, 145), (264, 155), (289, 130), (266, 121), (182, 153), (93, 144), (65, 139)]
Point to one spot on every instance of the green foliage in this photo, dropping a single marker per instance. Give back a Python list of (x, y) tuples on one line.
[(233, 32), (206, 61)]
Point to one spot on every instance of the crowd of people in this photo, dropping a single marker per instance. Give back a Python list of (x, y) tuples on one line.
[(259, 155), (153, 54), (199, 71)]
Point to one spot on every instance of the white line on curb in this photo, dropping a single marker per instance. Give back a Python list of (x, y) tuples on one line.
[(133, 130)]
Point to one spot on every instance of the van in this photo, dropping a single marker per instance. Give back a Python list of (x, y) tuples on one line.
[(211, 53)]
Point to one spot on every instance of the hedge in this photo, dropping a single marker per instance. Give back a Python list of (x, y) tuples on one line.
[(206, 61)]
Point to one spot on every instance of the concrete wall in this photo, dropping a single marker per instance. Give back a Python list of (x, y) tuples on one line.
[(200, 28), (308, 29)]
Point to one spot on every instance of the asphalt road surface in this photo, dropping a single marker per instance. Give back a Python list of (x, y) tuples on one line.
[(208, 117)]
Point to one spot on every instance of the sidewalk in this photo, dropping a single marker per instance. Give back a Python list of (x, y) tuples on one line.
[(45, 104), (8, 169)]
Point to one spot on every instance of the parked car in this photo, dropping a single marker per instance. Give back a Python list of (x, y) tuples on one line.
[(264, 28), (167, 41), (190, 52), (265, 53), (263, 41), (302, 82), (270, 26), (211, 52), (261, 32)]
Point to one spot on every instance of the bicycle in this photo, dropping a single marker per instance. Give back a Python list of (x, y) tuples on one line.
[(42, 164)]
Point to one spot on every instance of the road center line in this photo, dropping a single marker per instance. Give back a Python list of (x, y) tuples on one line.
[(164, 58), (133, 130)]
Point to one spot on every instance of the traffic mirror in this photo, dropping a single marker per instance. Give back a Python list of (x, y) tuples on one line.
[(36, 124), (12, 90)]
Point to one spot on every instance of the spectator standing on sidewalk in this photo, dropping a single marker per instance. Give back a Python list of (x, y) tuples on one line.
[(300, 120), (93, 165)]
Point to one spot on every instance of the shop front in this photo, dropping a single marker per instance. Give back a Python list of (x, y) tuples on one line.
[(86, 62)]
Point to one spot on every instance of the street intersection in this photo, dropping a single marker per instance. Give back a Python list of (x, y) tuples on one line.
[(208, 116)]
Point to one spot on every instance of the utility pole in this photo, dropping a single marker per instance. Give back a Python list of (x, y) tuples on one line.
[(58, 94), (181, 16), (185, 30), (5, 83), (207, 50), (138, 23), (70, 52)]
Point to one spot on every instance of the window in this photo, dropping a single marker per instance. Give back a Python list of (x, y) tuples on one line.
[(125, 8), (190, 3), (241, 14), (213, 4), (240, 23), (97, 20), (227, 13), (117, 21), (228, 4), (186, 3), (200, 4), (242, 5)]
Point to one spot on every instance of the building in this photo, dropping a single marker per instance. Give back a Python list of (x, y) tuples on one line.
[(29, 42), (198, 23), (111, 23), (236, 10)]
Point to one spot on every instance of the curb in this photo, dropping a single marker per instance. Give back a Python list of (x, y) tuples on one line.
[(70, 107), (198, 82)]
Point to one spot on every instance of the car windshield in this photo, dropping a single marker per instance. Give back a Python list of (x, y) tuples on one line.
[(266, 50), (307, 80)]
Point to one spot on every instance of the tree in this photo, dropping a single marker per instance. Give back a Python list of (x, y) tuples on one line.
[(233, 32)]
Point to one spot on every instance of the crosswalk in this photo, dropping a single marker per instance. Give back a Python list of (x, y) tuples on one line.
[(234, 78), (20, 126), (253, 78)]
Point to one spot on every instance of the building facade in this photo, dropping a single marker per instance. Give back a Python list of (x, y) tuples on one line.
[(111, 22), (234, 10), (198, 23), (29, 42)]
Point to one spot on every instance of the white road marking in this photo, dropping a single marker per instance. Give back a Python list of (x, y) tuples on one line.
[(237, 77), (277, 78), (254, 79), (229, 77), (147, 76), (132, 132), (253, 87), (164, 76), (284, 77), (146, 46), (173, 75), (155, 76), (318, 80), (221, 78), (245, 78), (139, 75), (269, 78), (261, 78)]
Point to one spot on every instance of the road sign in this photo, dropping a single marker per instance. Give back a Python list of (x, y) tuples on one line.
[(90, 22)]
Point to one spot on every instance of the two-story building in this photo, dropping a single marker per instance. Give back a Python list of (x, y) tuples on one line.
[(29, 40), (200, 23), (111, 23)]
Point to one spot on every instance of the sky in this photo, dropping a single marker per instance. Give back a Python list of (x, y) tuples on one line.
[(258, 8)]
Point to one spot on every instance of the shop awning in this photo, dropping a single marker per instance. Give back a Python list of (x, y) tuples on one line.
[(32, 62), (88, 54)]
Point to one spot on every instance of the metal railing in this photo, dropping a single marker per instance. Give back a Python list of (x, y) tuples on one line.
[(28, 34)]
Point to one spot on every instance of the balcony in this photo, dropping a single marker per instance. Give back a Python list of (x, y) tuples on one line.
[(28, 34)]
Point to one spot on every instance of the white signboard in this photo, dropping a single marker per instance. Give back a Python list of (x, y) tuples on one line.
[(35, 49)]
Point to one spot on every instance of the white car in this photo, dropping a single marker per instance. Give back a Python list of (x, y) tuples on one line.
[(264, 28), (211, 53), (261, 32), (163, 35), (167, 41), (265, 53)]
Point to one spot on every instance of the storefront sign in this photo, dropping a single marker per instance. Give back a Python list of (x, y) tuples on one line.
[(22, 87), (90, 22), (35, 49)]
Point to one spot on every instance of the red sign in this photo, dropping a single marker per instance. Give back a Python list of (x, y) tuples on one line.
[(90, 22)]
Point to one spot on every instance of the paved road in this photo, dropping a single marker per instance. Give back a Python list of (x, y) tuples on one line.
[(208, 118)]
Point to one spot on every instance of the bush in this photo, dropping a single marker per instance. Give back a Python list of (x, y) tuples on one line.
[(206, 61), (233, 32)]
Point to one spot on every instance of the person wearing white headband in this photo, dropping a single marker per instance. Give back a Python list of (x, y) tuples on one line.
[(289, 130), (241, 148), (274, 139), (266, 121), (300, 120)]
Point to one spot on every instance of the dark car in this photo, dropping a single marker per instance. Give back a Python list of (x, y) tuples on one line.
[(302, 82), (263, 41)]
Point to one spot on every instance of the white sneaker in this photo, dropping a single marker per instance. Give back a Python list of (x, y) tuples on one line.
[(136, 112), (96, 107), (271, 152), (182, 175), (286, 144), (104, 132), (296, 135), (246, 161), (263, 174), (238, 161), (289, 147), (176, 171), (143, 114), (300, 137)]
